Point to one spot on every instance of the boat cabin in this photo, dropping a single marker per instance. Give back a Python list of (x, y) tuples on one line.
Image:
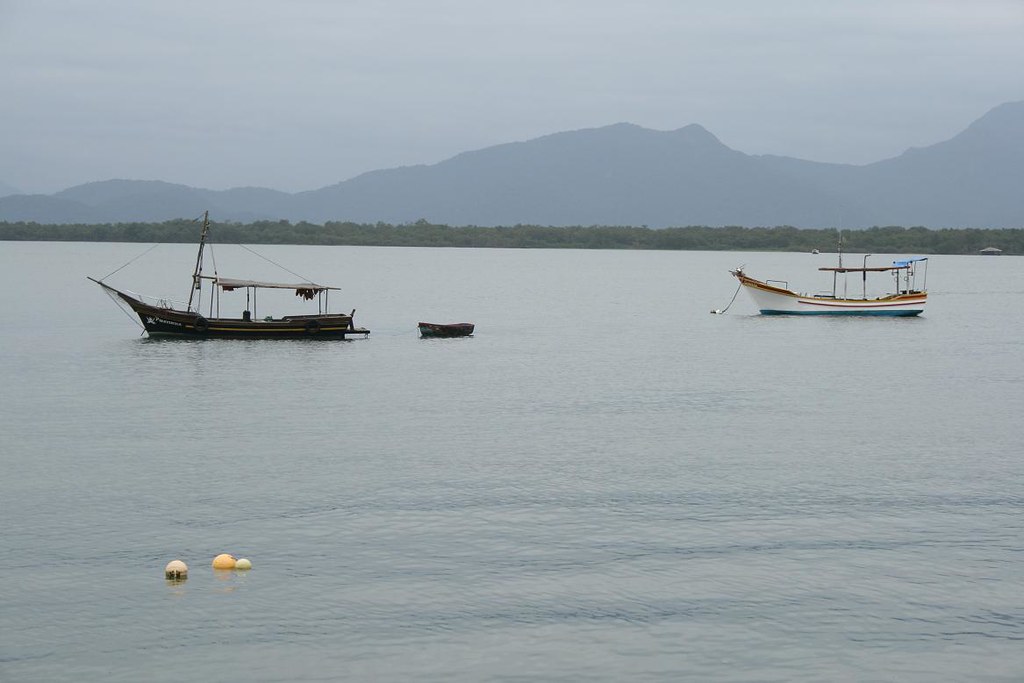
[(905, 273)]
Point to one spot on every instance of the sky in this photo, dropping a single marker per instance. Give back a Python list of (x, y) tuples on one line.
[(300, 94)]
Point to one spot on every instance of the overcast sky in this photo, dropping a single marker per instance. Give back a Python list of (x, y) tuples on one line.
[(299, 94)]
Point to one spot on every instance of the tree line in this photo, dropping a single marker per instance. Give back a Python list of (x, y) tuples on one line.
[(889, 239)]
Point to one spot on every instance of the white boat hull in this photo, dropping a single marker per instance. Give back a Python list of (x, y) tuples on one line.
[(771, 300)]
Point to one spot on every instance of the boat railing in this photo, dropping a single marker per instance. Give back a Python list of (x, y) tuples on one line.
[(312, 316), (159, 301), (778, 283)]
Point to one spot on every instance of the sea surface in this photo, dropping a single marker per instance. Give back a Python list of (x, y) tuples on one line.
[(605, 483)]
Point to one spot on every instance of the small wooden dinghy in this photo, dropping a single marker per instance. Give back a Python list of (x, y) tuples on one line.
[(445, 330)]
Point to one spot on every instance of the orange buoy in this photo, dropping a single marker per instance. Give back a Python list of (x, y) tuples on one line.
[(224, 561)]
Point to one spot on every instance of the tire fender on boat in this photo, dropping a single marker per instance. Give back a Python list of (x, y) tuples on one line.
[(312, 327), (201, 324)]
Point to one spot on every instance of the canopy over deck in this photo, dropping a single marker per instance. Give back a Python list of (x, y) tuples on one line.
[(896, 265), (858, 269), (306, 290), (228, 284)]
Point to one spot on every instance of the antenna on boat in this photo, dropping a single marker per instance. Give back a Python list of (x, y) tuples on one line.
[(196, 281)]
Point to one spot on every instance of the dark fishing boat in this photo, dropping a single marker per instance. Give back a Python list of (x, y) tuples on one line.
[(161, 318), (445, 330)]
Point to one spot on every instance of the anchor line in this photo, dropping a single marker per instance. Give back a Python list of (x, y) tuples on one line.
[(720, 312)]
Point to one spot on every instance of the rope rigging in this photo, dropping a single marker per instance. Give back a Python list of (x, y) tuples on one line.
[(271, 261), (124, 308), (132, 261)]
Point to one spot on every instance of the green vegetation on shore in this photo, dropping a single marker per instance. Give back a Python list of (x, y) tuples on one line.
[(890, 239)]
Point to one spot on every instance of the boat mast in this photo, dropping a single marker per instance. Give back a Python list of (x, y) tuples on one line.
[(835, 273), (864, 276), (197, 273)]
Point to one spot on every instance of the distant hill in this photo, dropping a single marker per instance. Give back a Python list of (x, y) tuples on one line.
[(7, 190), (616, 175)]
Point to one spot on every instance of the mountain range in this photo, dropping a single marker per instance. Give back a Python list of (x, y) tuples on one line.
[(620, 174)]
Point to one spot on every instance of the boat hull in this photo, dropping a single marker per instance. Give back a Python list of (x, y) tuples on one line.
[(446, 330), (771, 300), (167, 322)]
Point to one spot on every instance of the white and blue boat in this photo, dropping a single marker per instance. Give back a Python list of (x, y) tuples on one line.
[(774, 297)]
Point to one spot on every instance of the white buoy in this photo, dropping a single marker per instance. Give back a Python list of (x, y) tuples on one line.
[(176, 570), (243, 563)]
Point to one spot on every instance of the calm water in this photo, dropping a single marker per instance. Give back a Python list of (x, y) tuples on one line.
[(606, 483)]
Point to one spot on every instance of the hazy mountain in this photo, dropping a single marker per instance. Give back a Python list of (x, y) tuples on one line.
[(976, 179), (127, 200), (616, 175), (7, 190), (43, 208)]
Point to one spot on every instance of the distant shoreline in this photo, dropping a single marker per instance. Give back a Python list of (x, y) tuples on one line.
[(890, 239)]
